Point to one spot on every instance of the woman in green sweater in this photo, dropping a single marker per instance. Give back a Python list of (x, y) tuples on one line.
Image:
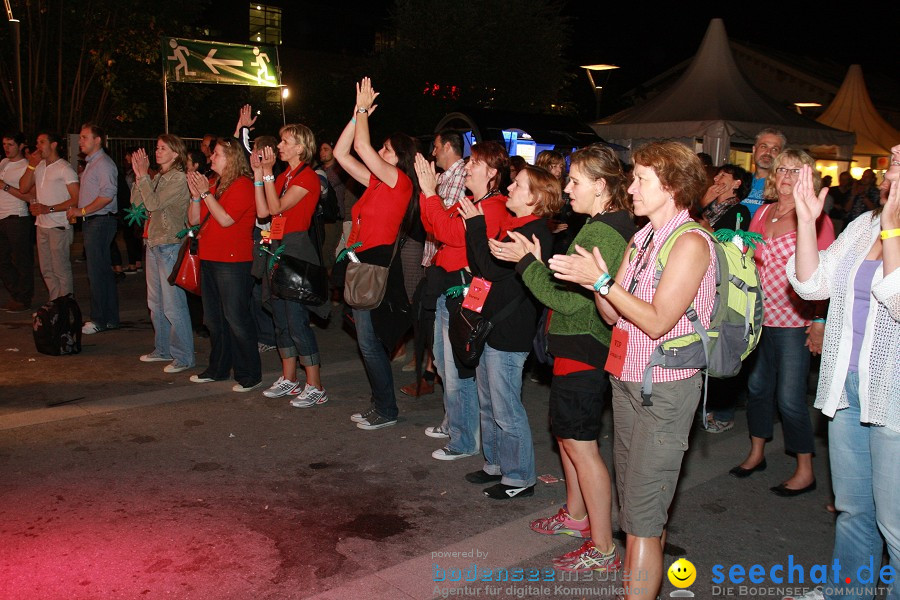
[(579, 343)]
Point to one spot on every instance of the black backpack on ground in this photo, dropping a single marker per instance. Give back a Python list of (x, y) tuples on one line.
[(57, 327)]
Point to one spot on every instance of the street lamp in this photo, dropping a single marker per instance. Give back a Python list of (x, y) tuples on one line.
[(800, 105), (598, 89), (14, 24)]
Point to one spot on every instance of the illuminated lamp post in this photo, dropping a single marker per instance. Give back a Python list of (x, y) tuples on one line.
[(14, 24), (598, 89), (799, 105)]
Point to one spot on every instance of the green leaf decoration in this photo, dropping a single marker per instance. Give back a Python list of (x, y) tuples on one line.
[(456, 291), (344, 252), (136, 215), (187, 230)]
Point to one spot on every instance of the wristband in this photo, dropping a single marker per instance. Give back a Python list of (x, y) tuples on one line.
[(890, 233), (30, 167), (83, 213), (601, 281), (195, 199), (819, 320), (258, 184), (353, 120), (268, 178)]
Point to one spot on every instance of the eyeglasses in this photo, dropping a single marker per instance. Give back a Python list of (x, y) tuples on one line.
[(786, 171)]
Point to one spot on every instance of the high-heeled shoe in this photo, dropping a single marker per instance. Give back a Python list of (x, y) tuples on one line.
[(740, 472)]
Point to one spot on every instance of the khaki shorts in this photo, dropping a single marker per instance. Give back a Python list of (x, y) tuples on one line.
[(650, 442)]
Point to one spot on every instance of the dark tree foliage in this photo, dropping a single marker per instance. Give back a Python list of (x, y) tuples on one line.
[(96, 60)]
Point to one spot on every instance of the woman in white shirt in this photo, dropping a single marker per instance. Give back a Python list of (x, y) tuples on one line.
[(858, 380)]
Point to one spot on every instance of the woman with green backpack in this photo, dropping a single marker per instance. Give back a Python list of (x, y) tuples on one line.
[(651, 432)]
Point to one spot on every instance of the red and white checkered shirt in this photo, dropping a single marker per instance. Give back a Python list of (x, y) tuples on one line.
[(782, 306), (640, 346), (451, 189)]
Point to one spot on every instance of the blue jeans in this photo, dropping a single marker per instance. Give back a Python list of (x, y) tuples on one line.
[(98, 233), (460, 395), (227, 288), (505, 432), (168, 307), (292, 331), (377, 364), (779, 376), (865, 475)]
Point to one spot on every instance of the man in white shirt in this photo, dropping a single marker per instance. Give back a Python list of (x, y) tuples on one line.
[(16, 249), (56, 186)]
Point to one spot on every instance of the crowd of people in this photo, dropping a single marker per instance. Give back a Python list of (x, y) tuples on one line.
[(459, 242)]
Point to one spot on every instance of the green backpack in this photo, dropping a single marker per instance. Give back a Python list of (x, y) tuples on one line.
[(737, 315)]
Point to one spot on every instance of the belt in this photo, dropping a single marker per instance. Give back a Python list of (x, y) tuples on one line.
[(89, 217)]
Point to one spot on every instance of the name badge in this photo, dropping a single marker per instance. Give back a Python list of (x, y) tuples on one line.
[(478, 292), (277, 230), (618, 348)]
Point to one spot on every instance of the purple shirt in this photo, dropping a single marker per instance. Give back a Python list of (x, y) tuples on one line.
[(862, 296)]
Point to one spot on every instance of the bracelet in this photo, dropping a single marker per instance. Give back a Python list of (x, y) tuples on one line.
[(268, 178), (83, 213), (195, 199), (258, 184), (30, 167), (819, 320), (601, 281), (353, 120), (890, 233)]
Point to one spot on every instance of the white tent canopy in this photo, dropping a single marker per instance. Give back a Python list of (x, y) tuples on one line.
[(852, 110), (712, 101)]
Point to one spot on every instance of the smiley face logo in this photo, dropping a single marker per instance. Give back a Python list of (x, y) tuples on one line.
[(682, 573)]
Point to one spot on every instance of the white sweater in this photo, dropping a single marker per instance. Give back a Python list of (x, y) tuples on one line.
[(879, 358)]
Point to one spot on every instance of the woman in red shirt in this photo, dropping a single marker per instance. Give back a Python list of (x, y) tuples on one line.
[(226, 214), (291, 200), (384, 212)]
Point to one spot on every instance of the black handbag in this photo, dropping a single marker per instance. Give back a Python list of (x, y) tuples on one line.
[(468, 332), (299, 280)]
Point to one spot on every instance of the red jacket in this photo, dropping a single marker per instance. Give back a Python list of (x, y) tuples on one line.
[(447, 227)]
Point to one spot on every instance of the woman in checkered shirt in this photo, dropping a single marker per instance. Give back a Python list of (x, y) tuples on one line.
[(650, 440), (792, 331)]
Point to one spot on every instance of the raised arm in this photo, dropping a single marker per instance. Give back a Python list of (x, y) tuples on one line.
[(348, 162), (365, 105)]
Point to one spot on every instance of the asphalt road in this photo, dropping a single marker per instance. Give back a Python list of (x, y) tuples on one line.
[(120, 481)]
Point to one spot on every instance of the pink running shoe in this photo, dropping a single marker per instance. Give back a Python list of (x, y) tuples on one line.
[(588, 558), (562, 523)]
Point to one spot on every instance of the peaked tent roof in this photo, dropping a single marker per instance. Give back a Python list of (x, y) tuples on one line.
[(712, 99), (852, 110)]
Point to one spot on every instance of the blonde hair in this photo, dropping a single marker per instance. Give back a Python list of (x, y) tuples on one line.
[(303, 137), (770, 192), (235, 164)]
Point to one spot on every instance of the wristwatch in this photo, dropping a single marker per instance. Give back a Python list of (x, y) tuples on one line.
[(603, 290), (6, 187), (52, 209), (361, 109), (203, 195)]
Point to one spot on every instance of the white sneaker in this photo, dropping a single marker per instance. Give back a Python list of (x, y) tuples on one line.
[(90, 327), (281, 387), (246, 388), (310, 396), (152, 357), (437, 432), (176, 368), (201, 379)]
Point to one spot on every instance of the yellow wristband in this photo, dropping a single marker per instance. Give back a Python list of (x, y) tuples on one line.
[(83, 212), (30, 167), (889, 233)]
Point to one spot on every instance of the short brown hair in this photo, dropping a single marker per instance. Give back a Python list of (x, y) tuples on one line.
[(600, 162), (679, 170), (546, 191), (495, 156), (302, 136), (794, 155)]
